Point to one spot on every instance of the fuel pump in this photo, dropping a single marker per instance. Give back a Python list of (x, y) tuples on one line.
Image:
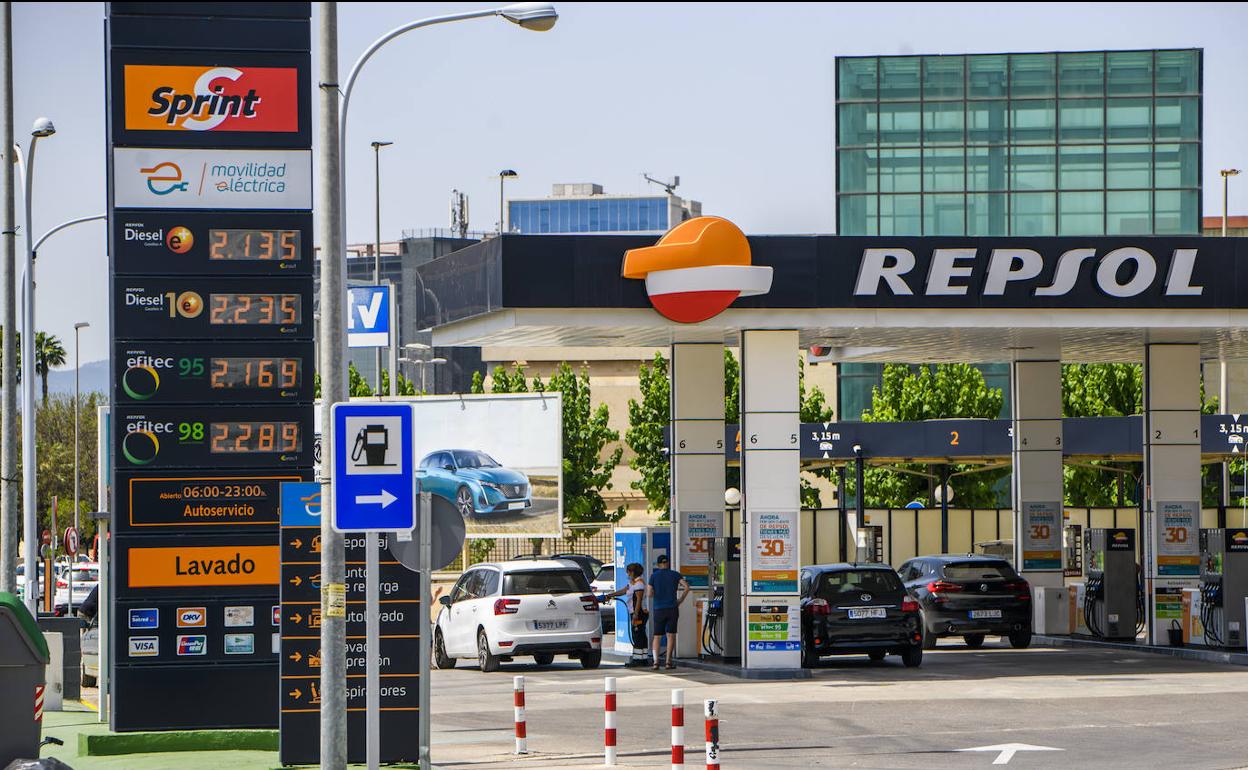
[(1223, 585), (870, 542), (721, 625), (1113, 598)]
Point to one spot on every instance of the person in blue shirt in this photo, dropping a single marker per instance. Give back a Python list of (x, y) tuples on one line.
[(665, 608)]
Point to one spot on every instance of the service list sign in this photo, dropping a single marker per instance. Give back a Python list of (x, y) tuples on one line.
[(210, 226)]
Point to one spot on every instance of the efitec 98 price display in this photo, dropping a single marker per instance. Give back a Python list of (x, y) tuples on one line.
[(208, 437), (179, 373), (219, 308)]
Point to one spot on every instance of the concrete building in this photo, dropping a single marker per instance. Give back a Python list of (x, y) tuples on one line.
[(585, 208), (1236, 225)]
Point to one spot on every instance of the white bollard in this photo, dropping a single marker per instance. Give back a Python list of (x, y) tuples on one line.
[(54, 672), (711, 712), (678, 730), (522, 737), (608, 737)]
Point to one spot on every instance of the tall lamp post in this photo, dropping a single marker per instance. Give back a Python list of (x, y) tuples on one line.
[(377, 246), (77, 366), (534, 16), (42, 128), (1223, 389), (503, 176)]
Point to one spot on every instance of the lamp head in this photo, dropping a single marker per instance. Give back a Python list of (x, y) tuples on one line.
[(508, 173), (379, 145), (437, 361), (1229, 172), (81, 325), (732, 496), (538, 17), (42, 127), (858, 449)]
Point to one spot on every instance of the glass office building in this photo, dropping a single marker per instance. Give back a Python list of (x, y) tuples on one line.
[(1089, 143), (1084, 143), (584, 208)]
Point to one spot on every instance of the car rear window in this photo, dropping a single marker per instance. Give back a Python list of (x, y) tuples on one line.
[(551, 581), (979, 570), (842, 586)]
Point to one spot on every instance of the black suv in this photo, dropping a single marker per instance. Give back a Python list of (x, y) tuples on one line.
[(969, 596), (858, 609)]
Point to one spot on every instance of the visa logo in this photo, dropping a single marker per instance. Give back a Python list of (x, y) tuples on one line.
[(192, 645), (148, 617), (192, 617), (144, 646)]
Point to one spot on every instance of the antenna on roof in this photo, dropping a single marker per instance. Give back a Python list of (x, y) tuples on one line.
[(668, 187)]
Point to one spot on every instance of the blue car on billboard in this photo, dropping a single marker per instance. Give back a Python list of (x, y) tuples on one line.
[(474, 482)]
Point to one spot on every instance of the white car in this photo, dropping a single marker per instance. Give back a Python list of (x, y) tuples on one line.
[(86, 577), (497, 612)]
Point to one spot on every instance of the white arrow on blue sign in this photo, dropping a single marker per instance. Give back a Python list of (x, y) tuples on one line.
[(368, 325), (374, 479)]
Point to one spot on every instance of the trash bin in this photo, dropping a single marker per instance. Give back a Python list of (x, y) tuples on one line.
[(23, 656)]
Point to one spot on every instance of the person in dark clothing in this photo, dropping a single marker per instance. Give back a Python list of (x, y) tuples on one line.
[(665, 584), (90, 605)]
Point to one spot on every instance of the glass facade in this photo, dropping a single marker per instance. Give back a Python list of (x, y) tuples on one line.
[(588, 215), (1097, 143)]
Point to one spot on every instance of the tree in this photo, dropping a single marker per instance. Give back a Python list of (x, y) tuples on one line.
[(49, 353), (647, 421), (813, 407), (929, 392), (1102, 390), (587, 466)]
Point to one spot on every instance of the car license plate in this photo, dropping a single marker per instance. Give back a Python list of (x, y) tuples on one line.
[(549, 625), (866, 612), (515, 506), (985, 614)]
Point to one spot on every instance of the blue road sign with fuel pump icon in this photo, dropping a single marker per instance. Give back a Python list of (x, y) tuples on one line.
[(374, 479)]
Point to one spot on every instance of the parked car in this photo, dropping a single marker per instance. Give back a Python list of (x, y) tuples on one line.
[(969, 596), (474, 482), (588, 564), (89, 612), (498, 612), (858, 609), (86, 577), (601, 578)]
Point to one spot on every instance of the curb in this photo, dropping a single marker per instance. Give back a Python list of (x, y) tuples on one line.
[(1205, 655), (112, 744), (727, 669)]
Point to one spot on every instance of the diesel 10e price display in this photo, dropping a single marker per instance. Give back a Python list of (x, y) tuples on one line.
[(213, 309)]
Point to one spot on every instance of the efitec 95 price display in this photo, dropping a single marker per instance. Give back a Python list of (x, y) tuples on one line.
[(213, 437), (214, 243), (181, 373), (220, 308)]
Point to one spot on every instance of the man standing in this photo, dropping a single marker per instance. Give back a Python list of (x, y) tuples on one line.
[(665, 608)]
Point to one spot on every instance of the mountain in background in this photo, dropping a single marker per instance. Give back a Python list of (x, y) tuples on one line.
[(92, 377)]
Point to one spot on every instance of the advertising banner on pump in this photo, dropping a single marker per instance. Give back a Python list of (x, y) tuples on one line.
[(1042, 535), (700, 528), (497, 458), (774, 556), (1178, 538)]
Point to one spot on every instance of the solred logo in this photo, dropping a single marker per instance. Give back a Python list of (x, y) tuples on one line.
[(697, 269), (180, 98)]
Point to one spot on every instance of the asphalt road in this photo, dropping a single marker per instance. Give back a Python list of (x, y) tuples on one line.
[(1098, 708), (541, 517)]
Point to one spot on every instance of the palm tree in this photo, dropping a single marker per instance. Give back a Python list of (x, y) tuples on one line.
[(49, 352)]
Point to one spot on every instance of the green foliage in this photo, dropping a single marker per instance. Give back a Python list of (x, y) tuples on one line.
[(647, 420), (1102, 390), (813, 407), (49, 353), (928, 392), (358, 385)]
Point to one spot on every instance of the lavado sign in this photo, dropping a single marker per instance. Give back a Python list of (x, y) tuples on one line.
[(1122, 272)]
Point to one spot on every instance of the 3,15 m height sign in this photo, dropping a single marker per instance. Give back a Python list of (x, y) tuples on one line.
[(210, 225)]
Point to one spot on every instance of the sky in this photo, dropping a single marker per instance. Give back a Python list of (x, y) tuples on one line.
[(737, 101)]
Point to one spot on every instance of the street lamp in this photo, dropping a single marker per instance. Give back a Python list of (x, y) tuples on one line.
[(1226, 173), (377, 145), (503, 176), (423, 363), (333, 722), (41, 128)]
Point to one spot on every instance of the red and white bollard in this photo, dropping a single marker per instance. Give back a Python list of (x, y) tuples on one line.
[(711, 712), (608, 755), (39, 703), (522, 738), (678, 730)]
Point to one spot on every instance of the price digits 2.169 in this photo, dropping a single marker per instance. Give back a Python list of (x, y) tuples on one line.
[(244, 372)]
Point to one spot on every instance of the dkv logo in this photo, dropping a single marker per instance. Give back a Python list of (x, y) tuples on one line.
[(697, 269)]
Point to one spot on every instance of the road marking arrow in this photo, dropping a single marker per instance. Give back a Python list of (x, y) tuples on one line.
[(1006, 751), (384, 499)]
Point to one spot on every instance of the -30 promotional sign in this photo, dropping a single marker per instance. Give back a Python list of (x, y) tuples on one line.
[(147, 178), (212, 308), (212, 437), (212, 243), (188, 372), (774, 561)]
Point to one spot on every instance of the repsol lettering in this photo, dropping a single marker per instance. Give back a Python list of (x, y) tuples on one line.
[(235, 566), (1122, 272)]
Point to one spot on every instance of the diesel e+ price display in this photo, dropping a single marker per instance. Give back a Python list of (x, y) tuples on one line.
[(253, 245), (263, 436), (262, 309)]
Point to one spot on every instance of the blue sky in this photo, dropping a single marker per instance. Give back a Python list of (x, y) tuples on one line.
[(737, 102)]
